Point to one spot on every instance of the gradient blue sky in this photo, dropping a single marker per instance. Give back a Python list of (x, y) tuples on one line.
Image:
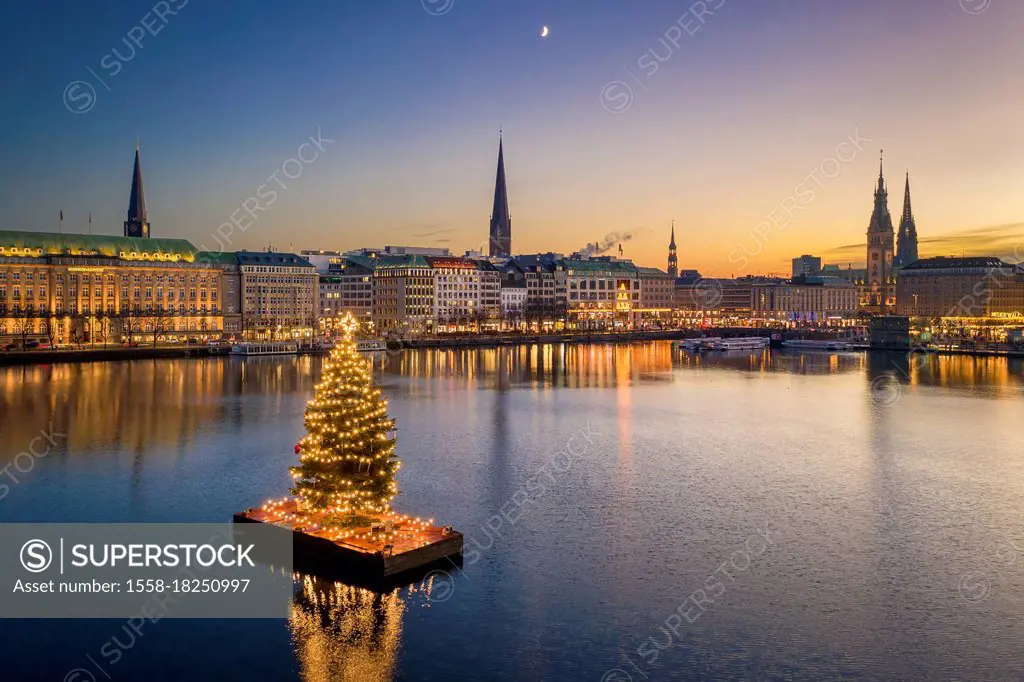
[(734, 119)]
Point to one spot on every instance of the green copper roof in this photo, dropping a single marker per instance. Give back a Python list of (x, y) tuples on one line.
[(53, 243), (217, 257), (399, 262)]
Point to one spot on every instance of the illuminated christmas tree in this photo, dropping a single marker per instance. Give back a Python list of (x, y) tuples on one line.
[(347, 458)]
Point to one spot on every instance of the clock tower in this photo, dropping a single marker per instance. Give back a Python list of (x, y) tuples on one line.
[(880, 285)]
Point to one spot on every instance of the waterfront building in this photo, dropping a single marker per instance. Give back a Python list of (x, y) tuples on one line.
[(806, 266), (545, 277), (280, 295), (603, 292), (329, 304), (75, 288), (906, 244), (500, 233), (974, 287), (403, 295), (880, 287), (348, 288), (715, 298), (137, 223), (490, 291), (673, 258), (657, 295), (230, 288), (513, 301), (456, 293), (819, 300)]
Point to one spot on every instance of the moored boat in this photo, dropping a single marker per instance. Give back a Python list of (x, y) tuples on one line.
[(267, 348), (745, 343), (696, 343), (818, 344), (371, 346)]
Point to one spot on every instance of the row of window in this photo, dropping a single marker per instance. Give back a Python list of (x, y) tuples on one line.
[(85, 309), (137, 278)]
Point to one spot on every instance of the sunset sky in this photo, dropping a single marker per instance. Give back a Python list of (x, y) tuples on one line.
[(600, 136)]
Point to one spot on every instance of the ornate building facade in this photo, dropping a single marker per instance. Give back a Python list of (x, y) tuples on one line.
[(280, 295), (880, 283), (74, 288), (965, 288)]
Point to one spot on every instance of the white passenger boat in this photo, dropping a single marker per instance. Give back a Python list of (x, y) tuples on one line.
[(371, 346), (696, 343), (813, 344), (746, 343), (267, 348)]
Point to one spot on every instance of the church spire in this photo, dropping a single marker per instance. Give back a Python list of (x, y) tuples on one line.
[(137, 224), (673, 259), (908, 217), (501, 219), (906, 244), (881, 177)]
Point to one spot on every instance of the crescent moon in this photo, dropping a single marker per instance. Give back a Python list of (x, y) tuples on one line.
[(544, 32)]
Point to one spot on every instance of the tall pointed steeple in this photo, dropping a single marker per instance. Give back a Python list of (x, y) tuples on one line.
[(881, 221), (881, 175), (501, 219), (881, 291), (673, 260), (137, 224), (906, 244)]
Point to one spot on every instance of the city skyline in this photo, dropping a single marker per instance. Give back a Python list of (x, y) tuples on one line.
[(686, 149)]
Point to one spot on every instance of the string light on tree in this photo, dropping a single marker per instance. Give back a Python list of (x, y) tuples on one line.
[(347, 461), (344, 482)]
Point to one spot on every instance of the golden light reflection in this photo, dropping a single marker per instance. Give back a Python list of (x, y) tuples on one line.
[(143, 405), (342, 633), (624, 366)]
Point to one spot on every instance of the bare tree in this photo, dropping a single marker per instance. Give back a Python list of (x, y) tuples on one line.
[(130, 322), (77, 330), (158, 320), (103, 318), (50, 329), (24, 322)]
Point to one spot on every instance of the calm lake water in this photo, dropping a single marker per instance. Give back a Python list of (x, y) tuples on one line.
[(630, 514)]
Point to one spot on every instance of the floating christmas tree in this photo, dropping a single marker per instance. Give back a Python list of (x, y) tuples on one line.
[(347, 457), (340, 516)]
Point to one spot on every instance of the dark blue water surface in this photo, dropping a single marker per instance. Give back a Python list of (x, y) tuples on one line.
[(630, 514)]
